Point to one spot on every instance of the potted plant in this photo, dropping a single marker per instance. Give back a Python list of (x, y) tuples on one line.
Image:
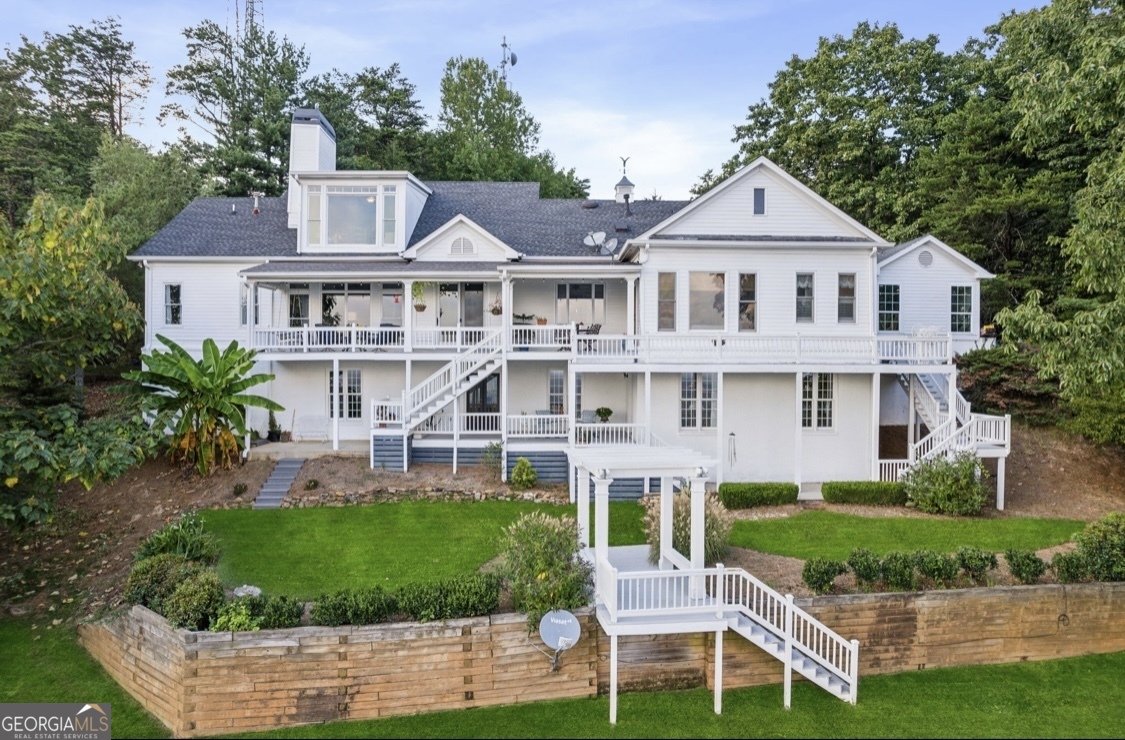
[(523, 318), (496, 307), (603, 413), (541, 320), (274, 434), (418, 294)]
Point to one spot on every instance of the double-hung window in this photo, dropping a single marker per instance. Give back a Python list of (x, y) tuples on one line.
[(556, 391), (888, 308), (666, 301), (817, 400), (348, 393), (804, 297), (845, 299), (248, 295), (697, 400), (961, 308), (707, 299), (173, 307), (747, 302)]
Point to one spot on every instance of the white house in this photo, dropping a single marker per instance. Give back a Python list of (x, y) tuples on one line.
[(757, 325), (757, 333)]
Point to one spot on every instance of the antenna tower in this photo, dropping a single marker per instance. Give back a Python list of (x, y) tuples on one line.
[(255, 15), (508, 59)]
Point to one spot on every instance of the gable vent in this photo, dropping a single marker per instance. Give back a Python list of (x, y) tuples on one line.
[(925, 258), (461, 245)]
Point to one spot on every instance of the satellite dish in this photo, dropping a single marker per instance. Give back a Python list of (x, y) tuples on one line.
[(598, 236), (609, 247), (512, 57), (589, 240), (559, 630)]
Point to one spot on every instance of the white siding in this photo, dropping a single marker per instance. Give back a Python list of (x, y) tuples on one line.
[(924, 292), (760, 411), (486, 248), (527, 386), (666, 417), (776, 270), (844, 452), (302, 388), (789, 212), (210, 296)]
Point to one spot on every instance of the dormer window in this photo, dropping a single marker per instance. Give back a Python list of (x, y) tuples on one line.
[(351, 215), (461, 245)]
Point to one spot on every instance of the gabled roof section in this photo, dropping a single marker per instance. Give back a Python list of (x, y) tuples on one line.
[(892, 254), (433, 248), (790, 209)]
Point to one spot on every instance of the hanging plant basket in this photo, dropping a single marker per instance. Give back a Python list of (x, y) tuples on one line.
[(419, 306)]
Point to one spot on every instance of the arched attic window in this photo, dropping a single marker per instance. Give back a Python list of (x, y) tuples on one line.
[(461, 245)]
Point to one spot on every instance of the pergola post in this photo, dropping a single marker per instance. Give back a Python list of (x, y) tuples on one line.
[(1000, 483), (583, 505), (698, 498), (666, 494), (718, 671), (601, 515), (337, 386)]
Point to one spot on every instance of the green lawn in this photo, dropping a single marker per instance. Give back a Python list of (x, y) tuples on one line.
[(306, 552), (1079, 697), (830, 535), (54, 668)]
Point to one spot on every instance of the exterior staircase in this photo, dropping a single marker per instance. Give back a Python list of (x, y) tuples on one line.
[(452, 380), (279, 482)]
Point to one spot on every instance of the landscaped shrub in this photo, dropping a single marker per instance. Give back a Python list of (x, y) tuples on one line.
[(236, 616), (870, 493), (747, 495), (523, 475), (717, 524), (1102, 545), (898, 571), (463, 596), (185, 536), (820, 573), (539, 560), (1070, 567), (275, 612), (866, 565), (976, 562), (492, 457), (1025, 565), (941, 486), (196, 601), (153, 580), (940, 568), (358, 606)]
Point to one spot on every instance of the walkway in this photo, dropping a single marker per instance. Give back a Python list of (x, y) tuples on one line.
[(279, 483)]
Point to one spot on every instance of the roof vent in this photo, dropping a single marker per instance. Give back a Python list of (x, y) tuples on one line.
[(925, 258), (621, 226), (589, 204), (233, 209)]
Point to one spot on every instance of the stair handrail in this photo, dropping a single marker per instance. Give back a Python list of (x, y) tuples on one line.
[(449, 375), (928, 404), (807, 634), (934, 442)]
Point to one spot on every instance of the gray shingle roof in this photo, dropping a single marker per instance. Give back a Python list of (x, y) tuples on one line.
[(373, 267), (511, 211), (758, 238), (889, 252)]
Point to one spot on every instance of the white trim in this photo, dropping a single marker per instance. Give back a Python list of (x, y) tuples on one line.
[(440, 233), (399, 175), (930, 239), (763, 162)]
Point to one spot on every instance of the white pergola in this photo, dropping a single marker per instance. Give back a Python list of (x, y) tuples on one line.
[(602, 465)]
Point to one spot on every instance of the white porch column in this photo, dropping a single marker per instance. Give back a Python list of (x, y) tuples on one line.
[(648, 407), (571, 403), (407, 318), (876, 388), (583, 505), (631, 305), (601, 515), (337, 382), (506, 312), (798, 435), (456, 429), (911, 419), (504, 418), (666, 494), (719, 448), (1000, 483)]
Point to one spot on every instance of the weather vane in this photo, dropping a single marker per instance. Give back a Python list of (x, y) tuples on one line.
[(624, 161)]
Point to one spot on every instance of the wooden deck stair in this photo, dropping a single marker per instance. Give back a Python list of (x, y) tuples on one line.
[(452, 380)]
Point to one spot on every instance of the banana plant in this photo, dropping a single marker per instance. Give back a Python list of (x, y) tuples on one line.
[(202, 401)]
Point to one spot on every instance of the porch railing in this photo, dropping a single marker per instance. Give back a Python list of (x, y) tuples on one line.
[(386, 414), (890, 470), (328, 339), (547, 337), (592, 435), (466, 423), (451, 337), (538, 425)]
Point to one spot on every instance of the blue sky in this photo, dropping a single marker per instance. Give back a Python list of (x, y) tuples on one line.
[(660, 81)]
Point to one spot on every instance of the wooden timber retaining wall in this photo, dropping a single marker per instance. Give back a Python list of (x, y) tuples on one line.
[(211, 683)]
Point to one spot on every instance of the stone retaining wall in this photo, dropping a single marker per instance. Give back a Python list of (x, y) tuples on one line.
[(209, 683)]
